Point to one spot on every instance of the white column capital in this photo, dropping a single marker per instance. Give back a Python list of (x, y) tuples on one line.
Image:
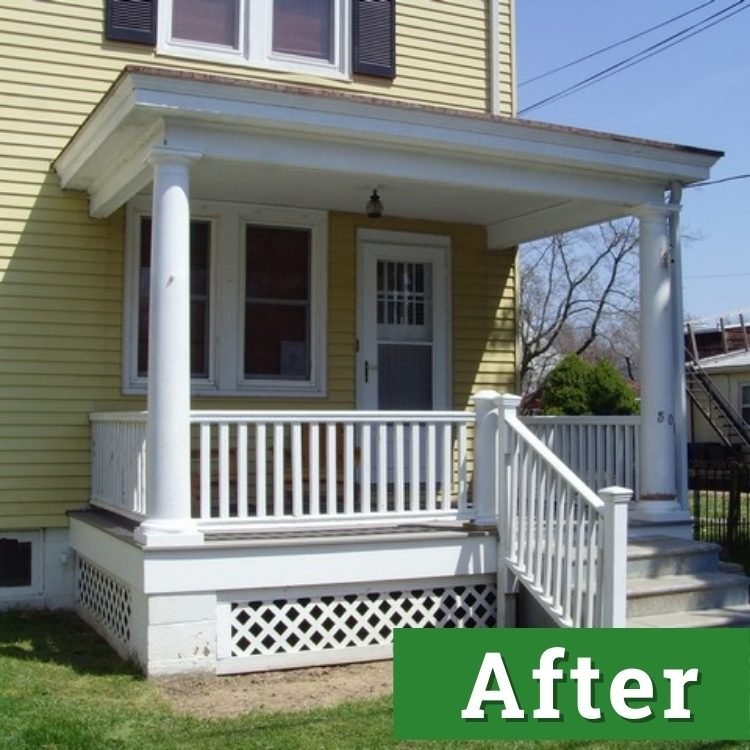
[(655, 211), (170, 155)]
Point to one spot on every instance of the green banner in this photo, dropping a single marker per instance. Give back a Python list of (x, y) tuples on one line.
[(649, 684)]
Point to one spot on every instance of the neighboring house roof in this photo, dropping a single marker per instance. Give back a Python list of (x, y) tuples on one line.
[(321, 149), (727, 362)]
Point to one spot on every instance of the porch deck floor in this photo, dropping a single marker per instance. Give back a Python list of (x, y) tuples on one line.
[(124, 529)]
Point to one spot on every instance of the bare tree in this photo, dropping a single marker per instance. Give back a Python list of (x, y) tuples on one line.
[(579, 294)]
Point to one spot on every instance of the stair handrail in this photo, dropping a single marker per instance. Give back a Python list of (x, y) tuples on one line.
[(694, 367), (564, 543)]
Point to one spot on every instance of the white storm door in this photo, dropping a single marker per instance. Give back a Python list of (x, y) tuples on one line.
[(403, 322)]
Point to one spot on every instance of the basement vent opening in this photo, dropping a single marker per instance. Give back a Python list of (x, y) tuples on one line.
[(15, 563)]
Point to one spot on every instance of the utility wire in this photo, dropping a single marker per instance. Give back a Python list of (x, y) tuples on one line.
[(643, 55), (718, 275), (625, 64), (718, 182), (609, 47)]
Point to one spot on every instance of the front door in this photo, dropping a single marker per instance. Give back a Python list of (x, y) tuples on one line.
[(403, 322)]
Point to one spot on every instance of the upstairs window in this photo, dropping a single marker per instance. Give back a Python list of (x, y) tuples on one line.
[(304, 35), (326, 37)]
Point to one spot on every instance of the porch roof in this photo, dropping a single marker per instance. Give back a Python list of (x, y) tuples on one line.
[(314, 148)]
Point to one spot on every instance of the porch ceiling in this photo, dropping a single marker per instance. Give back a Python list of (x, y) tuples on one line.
[(316, 149)]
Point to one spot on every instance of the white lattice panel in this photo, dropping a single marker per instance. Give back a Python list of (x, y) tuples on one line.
[(104, 599), (353, 620)]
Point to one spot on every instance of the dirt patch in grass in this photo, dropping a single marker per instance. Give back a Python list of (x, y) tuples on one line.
[(210, 697)]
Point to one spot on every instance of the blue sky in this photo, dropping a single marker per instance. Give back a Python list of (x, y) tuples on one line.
[(696, 93)]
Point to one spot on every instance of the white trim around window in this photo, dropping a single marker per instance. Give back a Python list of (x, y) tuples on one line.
[(227, 298), (255, 42)]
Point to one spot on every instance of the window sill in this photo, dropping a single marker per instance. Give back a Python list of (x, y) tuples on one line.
[(271, 65), (276, 390)]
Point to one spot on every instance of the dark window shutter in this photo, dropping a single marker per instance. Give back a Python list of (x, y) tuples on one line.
[(131, 21), (374, 43)]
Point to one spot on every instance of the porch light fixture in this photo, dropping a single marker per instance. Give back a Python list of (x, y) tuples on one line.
[(374, 208)]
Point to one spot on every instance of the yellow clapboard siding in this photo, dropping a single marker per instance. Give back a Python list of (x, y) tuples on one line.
[(61, 272), (21, 522)]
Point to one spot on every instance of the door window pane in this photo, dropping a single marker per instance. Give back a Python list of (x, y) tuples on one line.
[(405, 377), (404, 301), (209, 21), (200, 243), (745, 403), (277, 303), (303, 27)]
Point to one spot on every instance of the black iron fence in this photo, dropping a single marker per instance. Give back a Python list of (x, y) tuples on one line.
[(720, 503)]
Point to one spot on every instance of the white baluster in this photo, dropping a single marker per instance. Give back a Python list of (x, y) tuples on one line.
[(314, 471), (242, 508), (261, 451)]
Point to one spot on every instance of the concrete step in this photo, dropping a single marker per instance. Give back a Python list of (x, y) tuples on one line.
[(652, 557), (680, 593), (720, 617)]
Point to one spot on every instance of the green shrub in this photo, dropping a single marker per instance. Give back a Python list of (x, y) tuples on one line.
[(608, 391), (575, 387), (565, 389)]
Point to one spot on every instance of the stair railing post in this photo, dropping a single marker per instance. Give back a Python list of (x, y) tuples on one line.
[(485, 493), (614, 556), (506, 584)]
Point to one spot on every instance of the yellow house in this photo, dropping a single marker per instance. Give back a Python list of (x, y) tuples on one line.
[(258, 259)]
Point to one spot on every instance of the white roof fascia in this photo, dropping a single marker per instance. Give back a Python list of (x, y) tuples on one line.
[(382, 162), (443, 146), (305, 114)]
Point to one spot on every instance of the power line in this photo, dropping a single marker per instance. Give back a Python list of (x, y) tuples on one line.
[(601, 51), (643, 55), (718, 182), (718, 275), (622, 67)]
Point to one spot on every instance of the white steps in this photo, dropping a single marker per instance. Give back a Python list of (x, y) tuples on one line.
[(680, 583)]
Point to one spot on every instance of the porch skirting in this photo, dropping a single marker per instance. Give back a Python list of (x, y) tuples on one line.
[(252, 602)]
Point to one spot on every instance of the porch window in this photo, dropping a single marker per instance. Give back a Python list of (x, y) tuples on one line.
[(277, 303), (200, 250), (257, 299), (745, 402), (304, 35)]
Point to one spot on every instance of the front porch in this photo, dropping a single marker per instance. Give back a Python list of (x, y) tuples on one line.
[(243, 538), (314, 534)]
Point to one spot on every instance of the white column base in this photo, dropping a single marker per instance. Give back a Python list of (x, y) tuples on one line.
[(668, 515), (168, 533)]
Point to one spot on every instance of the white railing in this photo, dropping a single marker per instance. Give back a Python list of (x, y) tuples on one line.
[(565, 544), (118, 463), (270, 467), (602, 451)]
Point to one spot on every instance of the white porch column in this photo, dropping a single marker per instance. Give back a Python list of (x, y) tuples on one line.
[(168, 521), (658, 500)]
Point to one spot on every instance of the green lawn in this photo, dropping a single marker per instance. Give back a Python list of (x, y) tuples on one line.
[(62, 688)]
